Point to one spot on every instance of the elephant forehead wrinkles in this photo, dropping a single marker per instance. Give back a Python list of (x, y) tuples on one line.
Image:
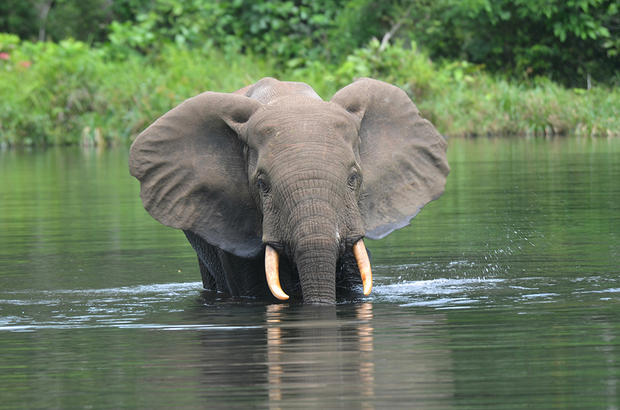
[(298, 194), (311, 158), (306, 150), (312, 123), (300, 184), (308, 178), (307, 126)]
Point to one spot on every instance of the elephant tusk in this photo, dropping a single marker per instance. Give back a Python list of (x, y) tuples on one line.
[(272, 272), (361, 256)]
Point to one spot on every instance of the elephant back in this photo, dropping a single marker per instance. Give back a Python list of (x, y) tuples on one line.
[(268, 90)]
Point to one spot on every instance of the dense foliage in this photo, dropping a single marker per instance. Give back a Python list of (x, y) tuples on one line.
[(85, 20), (115, 65), (571, 41), (574, 42)]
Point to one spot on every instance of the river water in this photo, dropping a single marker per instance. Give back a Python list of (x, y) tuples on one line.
[(504, 293)]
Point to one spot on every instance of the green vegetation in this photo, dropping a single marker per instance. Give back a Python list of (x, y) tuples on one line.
[(569, 41), (474, 67), (67, 92)]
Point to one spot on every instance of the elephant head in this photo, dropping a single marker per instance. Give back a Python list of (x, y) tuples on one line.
[(274, 168)]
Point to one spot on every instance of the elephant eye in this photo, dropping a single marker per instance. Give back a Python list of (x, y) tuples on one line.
[(354, 180), (262, 184)]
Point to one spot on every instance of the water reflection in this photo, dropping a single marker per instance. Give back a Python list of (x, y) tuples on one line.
[(316, 352), (280, 354), (505, 293)]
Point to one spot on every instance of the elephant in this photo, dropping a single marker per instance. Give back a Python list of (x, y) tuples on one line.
[(276, 189)]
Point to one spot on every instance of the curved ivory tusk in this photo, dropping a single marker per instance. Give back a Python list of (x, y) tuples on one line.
[(361, 256), (272, 272)]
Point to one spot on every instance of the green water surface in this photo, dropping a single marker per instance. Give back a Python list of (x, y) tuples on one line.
[(504, 293)]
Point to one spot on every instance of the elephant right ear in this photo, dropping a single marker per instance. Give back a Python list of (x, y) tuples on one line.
[(192, 171), (402, 156)]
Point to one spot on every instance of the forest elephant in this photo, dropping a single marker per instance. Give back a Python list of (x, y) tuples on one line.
[(276, 188)]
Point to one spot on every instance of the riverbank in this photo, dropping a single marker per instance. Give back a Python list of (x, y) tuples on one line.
[(70, 93)]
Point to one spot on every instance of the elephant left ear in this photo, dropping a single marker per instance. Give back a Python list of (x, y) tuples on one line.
[(193, 175), (403, 157)]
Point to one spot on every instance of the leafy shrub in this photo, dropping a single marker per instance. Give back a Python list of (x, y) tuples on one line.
[(291, 33), (570, 41), (575, 42), (68, 92), (462, 100)]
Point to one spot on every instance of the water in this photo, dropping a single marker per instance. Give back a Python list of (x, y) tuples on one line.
[(504, 293)]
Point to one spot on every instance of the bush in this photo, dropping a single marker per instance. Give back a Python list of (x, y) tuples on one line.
[(574, 42), (462, 100), (291, 33), (68, 92)]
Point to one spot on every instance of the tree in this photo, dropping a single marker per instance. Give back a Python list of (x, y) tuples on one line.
[(567, 40)]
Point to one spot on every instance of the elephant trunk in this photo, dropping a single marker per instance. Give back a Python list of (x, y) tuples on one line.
[(315, 250), (316, 260)]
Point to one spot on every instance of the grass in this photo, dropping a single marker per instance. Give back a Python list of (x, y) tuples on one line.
[(496, 107), (69, 93)]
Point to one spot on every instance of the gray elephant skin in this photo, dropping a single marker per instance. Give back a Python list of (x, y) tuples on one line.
[(276, 188)]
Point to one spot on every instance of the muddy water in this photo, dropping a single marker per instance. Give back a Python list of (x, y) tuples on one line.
[(504, 293)]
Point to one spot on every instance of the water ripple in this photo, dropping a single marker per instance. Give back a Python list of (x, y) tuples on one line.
[(158, 288)]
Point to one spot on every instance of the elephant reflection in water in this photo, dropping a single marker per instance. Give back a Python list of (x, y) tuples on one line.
[(335, 357), (324, 356), (318, 356)]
